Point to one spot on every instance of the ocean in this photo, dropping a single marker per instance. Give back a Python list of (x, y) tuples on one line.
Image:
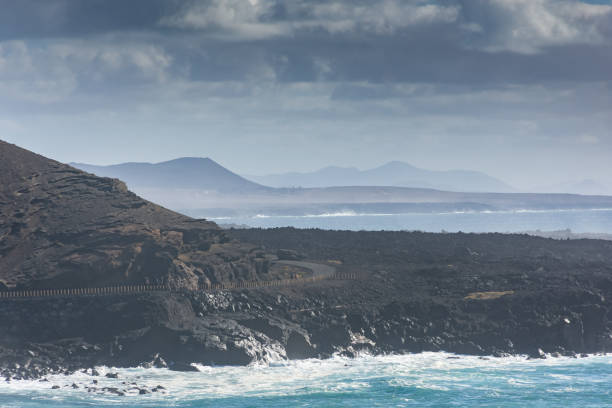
[(578, 220), (414, 380)]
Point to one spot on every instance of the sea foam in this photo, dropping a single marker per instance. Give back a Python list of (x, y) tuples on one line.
[(424, 379)]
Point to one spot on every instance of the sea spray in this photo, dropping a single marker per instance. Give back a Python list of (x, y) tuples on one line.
[(425, 379)]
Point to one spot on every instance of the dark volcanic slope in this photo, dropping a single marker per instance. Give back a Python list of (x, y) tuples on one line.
[(61, 227)]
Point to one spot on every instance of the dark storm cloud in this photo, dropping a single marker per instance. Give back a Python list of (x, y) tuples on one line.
[(387, 41), (450, 41), (68, 18)]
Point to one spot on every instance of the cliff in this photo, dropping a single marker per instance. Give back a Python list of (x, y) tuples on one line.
[(62, 227)]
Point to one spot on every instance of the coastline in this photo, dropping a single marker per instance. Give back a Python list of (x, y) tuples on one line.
[(476, 294), (438, 372)]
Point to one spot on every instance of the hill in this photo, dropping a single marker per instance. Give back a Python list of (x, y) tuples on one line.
[(62, 227), (392, 174), (183, 173)]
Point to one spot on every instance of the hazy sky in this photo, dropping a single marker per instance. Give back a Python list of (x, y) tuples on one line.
[(520, 89)]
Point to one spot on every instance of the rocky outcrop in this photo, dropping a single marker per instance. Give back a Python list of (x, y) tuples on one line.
[(61, 227), (241, 327)]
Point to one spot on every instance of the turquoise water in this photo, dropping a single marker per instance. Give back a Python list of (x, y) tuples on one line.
[(597, 220), (418, 380)]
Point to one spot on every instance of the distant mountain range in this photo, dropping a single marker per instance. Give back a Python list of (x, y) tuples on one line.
[(392, 174), (185, 173), (202, 188), (207, 176)]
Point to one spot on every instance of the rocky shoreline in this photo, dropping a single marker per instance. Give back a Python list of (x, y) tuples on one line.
[(444, 292), (479, 294)]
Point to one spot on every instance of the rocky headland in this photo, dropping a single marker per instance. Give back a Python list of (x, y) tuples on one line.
[(61, 227), (484, 294)]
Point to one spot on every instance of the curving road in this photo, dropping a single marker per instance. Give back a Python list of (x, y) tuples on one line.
[(316, 268)]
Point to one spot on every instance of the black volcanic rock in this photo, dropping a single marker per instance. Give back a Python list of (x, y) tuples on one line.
[(62, 227), (483, 294), (466, 293)]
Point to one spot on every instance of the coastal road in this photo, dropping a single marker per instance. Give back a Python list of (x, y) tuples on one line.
[(316, 268)]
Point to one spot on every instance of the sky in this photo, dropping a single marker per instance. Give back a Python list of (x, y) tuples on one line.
[(519, 89)]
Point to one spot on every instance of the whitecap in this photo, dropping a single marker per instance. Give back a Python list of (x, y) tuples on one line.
[(435, 372)]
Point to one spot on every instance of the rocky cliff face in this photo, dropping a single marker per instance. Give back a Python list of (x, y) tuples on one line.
[(61, 227)]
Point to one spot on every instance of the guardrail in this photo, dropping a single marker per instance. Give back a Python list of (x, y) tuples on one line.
[(136, 289)]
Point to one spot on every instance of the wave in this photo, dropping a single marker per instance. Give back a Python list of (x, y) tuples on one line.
[(347, 213), (553, 211), (350, 213), (367, 378)]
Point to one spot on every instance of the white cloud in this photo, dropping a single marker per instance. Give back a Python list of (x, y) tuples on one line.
[(384, 17), (524, 26), (103, 59), (249, 19), (51, 72), (528, 25), (238, 18)]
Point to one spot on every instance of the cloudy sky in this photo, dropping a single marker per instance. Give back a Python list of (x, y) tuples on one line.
[(520, 89)]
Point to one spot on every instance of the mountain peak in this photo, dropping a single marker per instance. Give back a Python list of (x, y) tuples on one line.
[(200, 173), (394, 173), (62, 227)]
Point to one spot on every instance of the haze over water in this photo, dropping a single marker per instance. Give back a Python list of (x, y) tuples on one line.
[(579, 221)]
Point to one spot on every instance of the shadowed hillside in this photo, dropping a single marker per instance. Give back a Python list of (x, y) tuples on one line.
[(61, 226)]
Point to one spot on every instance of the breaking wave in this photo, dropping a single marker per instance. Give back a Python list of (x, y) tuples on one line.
[(351, 213), (347, 213), (598, 220), (426, 379)]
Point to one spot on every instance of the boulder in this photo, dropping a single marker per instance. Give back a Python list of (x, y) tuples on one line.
[(184, 367), (298, 346)]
